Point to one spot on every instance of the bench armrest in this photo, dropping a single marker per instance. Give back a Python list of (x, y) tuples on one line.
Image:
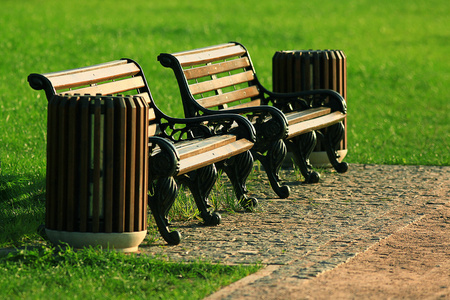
[(177, 129), (163, 158), (307, 99)]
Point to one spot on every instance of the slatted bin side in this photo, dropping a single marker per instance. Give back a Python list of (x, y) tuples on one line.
[(303, 70), (97, 164)]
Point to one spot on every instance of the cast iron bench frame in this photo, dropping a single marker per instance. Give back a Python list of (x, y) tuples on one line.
[(222, 78), (180, 149)]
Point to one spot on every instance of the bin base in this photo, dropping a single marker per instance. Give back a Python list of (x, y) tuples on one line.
[(122, 242)]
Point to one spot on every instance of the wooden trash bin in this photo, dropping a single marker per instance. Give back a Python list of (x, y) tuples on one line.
[(97, 171), (303, 70)]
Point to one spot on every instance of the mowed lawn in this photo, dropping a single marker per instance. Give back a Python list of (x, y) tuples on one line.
[(397, 66)]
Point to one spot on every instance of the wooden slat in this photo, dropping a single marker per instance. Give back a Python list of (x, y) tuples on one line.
[(62, 165), (108, 172), (314, 124), (96, 166), (213, 156), (219, 83), (52, 163), (256, 102), (130, 163), (151, 111), (111, 87), (72, 163), (85, 156), (199, 146), (204, 49), (94, 76), (217, 68), (209, 55), (85, 69), (120, 164), (141, 156), (300, 116), (225, 98)]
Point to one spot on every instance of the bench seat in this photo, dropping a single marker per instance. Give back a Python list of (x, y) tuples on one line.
[(221, 78)]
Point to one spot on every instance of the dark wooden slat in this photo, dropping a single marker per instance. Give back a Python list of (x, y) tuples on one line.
[(213, 156), (209, 55), (141, 145), (85, 156), (94, 76), (120, 164), (96, 165), (72, 163), (52, 163), (130, 163), (314, 124), (108, 158), (114, 87), (211, 85), (229, 97), (300, 116), (62, 165), (217, 68)]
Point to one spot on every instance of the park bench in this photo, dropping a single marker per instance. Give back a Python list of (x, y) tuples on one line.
[(184, 150), (222, 78)]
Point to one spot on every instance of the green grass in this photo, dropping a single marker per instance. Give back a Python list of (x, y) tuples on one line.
[(397, 69), (45, 273)]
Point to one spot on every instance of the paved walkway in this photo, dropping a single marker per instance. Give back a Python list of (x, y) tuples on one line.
[(319, 227)]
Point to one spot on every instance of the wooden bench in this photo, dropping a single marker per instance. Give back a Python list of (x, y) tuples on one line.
[(186, 150), (222, 78)]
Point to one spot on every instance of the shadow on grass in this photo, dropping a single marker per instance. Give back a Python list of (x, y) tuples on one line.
[(22, 208)]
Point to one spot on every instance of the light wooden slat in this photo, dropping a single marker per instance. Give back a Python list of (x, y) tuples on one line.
[(208, 56), (213, 69), (219, 83), (151, 111), (85, 69), (192, 149), (204, 49), (213, 156), (94, 76), (225, 98), (314, 124), (300, 116), (111, 87), (256, 102)]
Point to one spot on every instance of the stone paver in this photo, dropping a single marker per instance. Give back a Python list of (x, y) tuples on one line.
[(317, 228)]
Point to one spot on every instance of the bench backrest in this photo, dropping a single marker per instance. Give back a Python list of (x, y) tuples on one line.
[(123, 77), (217, 77)]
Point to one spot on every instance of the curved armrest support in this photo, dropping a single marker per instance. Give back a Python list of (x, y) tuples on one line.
[(163, 158), (312, 98), (177, 129)]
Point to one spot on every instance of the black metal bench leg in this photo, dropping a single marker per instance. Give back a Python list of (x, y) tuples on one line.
[(200, 183), (272, 163), (301, 148), (237, 169), (331, 137), (161, 198)]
